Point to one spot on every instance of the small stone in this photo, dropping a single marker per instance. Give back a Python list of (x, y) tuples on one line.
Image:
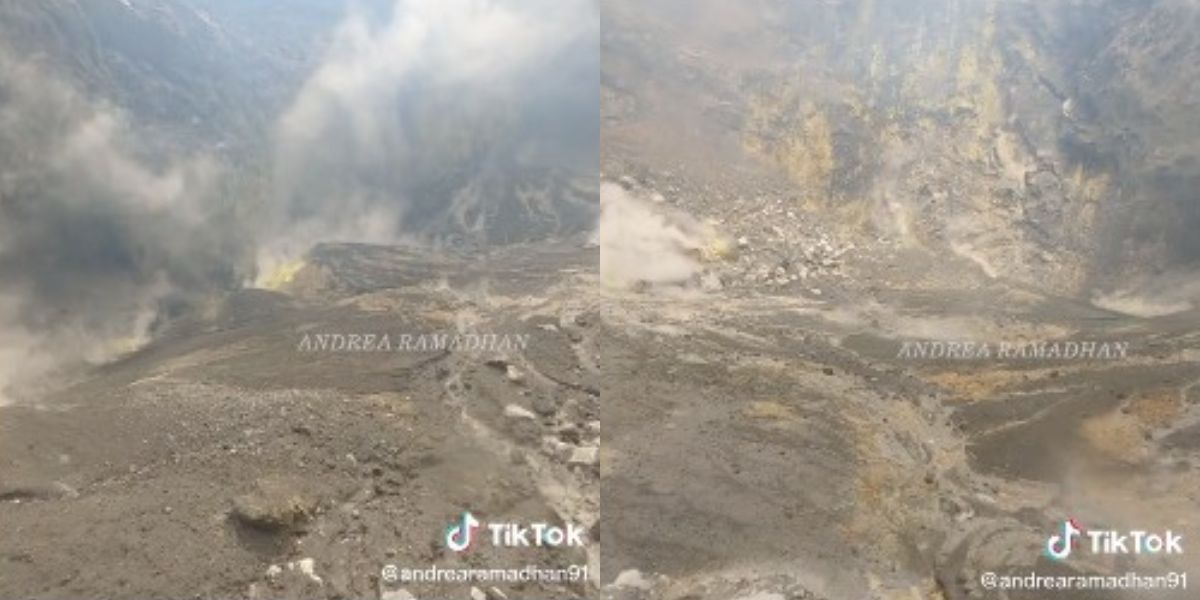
[(555, 448), (985, 498), (400, 594), (632, 578), (570, 434), (514, 374), (544, 405), (307, 566), (584, 456), (477, 594), (516, 411), (762, 596), (275, 504)]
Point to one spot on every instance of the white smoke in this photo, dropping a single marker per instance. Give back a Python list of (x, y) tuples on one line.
[(409, 113), (95, 230), (101, 230), (640, 244), (1157, 296)]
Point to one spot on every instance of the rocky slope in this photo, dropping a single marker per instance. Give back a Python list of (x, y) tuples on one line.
[(830, 181), (1050, 144), (230, 460)]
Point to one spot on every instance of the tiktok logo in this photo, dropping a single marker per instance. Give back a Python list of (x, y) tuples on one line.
[(460, 534), (1059, 547)]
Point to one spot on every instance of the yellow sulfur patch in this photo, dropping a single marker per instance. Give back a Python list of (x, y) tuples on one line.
[(126, 345), (718, 249), (284, 274)]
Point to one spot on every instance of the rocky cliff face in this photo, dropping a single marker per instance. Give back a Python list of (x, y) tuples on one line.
[(1051, 144)]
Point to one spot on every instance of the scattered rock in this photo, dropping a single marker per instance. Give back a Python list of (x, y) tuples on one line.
[(516, 411), (585, 456), (514, 374), (276, 504), (762, 596), (544, 405), (570, 434), (632, 578), (400, 594), (555, 448), (306, 566)]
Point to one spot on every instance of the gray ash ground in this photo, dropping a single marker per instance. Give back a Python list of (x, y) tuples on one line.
[(222, 462), (757, 444), (766, 446)]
